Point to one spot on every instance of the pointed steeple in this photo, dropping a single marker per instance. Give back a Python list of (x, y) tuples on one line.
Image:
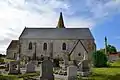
[(60, 22)]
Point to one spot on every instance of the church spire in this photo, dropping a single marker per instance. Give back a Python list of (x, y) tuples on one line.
[(60, 22)]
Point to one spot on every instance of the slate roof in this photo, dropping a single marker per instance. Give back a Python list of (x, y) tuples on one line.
[(13, 44), (56, 33)]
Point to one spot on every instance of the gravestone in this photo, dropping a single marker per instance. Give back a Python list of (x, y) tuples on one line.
[(30, 67), (13, 67), (71, 72), (46, 70), (7, 67), (85, 68), (56, 62)]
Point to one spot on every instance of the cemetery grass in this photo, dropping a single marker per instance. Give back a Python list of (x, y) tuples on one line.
[(110, 73), (7, 60), (19, 76)]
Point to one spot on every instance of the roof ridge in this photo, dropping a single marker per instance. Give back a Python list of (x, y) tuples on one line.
[(55, 28)]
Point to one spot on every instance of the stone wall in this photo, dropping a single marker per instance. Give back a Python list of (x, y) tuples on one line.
[(12, 53), (57, 47)]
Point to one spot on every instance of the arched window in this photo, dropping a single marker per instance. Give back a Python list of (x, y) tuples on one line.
[(45, 46), (14, 55), (30, 46), (79, 54), (64, 46)]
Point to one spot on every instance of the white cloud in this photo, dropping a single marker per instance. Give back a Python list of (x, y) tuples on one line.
[(16, 14), (104, 8)]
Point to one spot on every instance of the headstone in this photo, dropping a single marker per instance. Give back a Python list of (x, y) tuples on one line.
[(71, 72), (12, 67), (46, 70), (85, 65), (30, 67), (7, 67), (56, 62), (85, 68)]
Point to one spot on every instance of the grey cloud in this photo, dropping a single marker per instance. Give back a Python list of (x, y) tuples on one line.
[(5, 41)]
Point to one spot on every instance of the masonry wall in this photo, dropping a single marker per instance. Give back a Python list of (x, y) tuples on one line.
[(12, 53), (56, 50)]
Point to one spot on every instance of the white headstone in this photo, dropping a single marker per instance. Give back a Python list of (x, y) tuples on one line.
[(72, 72)]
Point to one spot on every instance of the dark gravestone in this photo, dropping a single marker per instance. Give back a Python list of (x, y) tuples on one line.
[(85, 69), (46, 70), (7, 67), (30, 67), (56, 63), (85, 66), (14, 67)]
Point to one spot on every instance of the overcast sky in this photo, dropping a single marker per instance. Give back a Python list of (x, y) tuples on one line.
[(95, 14)]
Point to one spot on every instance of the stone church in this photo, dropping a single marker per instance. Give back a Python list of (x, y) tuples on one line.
[(53, 42)]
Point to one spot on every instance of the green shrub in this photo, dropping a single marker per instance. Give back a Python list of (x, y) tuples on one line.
[(99, 59)]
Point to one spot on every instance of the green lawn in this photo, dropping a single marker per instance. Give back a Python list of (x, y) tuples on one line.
[(111, 73)]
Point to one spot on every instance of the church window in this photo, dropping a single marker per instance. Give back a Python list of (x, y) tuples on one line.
[(79, 54), (45, 46), (64, 46), (14, 55), (30, 45)]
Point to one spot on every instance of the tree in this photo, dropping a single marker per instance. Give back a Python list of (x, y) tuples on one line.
[(99, 59), (111, 49)]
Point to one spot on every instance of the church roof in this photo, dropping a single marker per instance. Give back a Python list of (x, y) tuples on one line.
[(56, 33), (13, 44)]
